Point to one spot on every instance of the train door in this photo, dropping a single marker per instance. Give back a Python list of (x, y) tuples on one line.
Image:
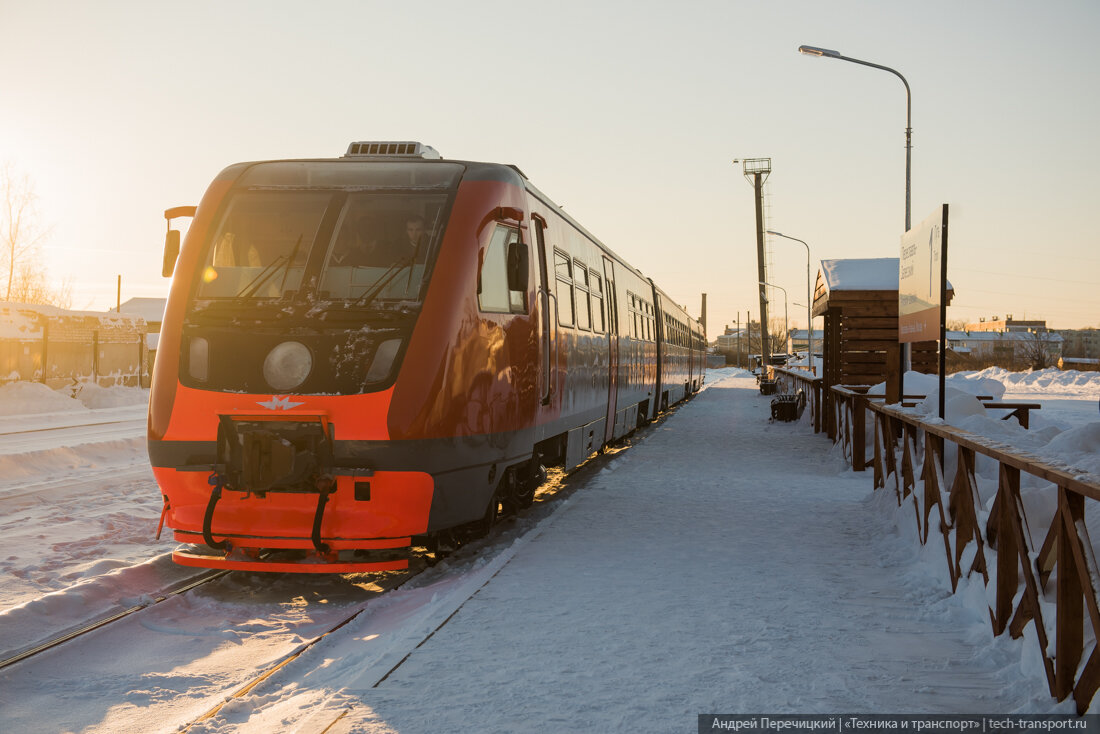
[(613, 346), (660, 397), (546, 333)]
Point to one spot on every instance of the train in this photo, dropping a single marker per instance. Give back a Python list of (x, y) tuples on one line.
[(365, 354)]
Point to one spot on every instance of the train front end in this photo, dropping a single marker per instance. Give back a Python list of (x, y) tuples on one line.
[(294, 300)]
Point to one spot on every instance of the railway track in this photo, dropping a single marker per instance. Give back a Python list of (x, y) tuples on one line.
[(246, 682), (61, 639), (557, 487)]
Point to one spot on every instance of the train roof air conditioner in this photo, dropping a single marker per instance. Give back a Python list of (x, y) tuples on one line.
[(392, 149)]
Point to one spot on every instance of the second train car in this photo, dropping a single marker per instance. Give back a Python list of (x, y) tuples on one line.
[(366, 353)]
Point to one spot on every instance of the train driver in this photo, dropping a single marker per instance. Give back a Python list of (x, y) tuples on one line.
[(415, 243)]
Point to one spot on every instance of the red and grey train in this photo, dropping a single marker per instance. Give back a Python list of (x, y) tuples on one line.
[(366, 353)]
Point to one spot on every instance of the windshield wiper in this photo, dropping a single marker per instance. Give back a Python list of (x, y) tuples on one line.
[(262, 277), (289, 262), (372, 293)]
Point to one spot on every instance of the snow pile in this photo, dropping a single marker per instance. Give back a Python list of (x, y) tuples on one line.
[(94, 396), (32, 398), (1049, 381), (20, 398)]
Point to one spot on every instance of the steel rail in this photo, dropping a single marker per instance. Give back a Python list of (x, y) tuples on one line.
[(135, 421), (103, 622), (394, 584)]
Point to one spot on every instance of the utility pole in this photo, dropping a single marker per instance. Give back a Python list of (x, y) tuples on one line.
[(738, 339), (748, 336), (758, 169)]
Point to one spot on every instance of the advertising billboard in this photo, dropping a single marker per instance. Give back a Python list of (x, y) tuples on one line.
[(922, 280)]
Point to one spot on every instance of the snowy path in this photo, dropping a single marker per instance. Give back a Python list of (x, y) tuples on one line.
[(723, 565)]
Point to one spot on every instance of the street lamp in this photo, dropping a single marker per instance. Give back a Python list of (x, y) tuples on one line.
[(809, 297), (786, 328), (814, 51)]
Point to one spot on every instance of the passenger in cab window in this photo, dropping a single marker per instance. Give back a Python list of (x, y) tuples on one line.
[(358, 244), (364, 247)]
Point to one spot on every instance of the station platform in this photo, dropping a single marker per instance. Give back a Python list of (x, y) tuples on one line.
[(725, 563)]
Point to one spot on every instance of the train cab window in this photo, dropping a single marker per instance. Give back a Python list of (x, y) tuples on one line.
[(261, 246), (563, 270), (493, 295), (580, 285)]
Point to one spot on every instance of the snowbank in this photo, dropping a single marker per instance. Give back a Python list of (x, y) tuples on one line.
[(32, 398)]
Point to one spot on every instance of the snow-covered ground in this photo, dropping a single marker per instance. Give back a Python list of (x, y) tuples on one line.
[(722, 564)]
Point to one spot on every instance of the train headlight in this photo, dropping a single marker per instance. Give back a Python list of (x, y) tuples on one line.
[(198, 358), (383, 360), (287, 366)]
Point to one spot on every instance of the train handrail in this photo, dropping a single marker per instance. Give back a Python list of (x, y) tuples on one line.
[(909, 458)]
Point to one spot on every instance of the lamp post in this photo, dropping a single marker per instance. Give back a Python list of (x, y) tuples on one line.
[(814, 51), (786, 328), (809, 298)]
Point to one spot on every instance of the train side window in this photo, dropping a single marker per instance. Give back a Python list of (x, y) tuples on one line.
[(563, 270), (596, 289), (492, 281), (580, 285)]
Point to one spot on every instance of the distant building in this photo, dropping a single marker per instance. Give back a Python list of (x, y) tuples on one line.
[(799, 341), (1005, 347), (152, 311), (1006, 324), (1082, 364), (1083, 343), (728, 342)]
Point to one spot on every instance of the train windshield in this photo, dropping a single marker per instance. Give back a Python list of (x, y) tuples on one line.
[(261, 247), (353, 233)]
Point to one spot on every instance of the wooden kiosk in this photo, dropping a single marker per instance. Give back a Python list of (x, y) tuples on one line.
[(858, 299)]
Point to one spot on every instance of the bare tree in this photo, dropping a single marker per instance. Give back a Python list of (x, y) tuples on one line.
[(21, 236), (1038, 348), (777, 334), (956, 324)]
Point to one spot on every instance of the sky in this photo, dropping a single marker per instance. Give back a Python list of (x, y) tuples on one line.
[(628, 114)]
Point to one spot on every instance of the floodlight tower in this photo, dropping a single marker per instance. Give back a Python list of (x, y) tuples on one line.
[(758, 169)]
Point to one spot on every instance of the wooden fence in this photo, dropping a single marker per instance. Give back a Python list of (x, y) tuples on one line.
[(1032, 549), (791, 380), (56, 347)]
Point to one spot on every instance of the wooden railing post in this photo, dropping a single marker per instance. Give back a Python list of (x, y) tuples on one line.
[(1068, 635), (1008, 554), (818, 412), (859, 432), (1022, 569)]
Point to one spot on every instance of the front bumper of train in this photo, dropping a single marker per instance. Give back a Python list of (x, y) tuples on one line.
[(366, 522)]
